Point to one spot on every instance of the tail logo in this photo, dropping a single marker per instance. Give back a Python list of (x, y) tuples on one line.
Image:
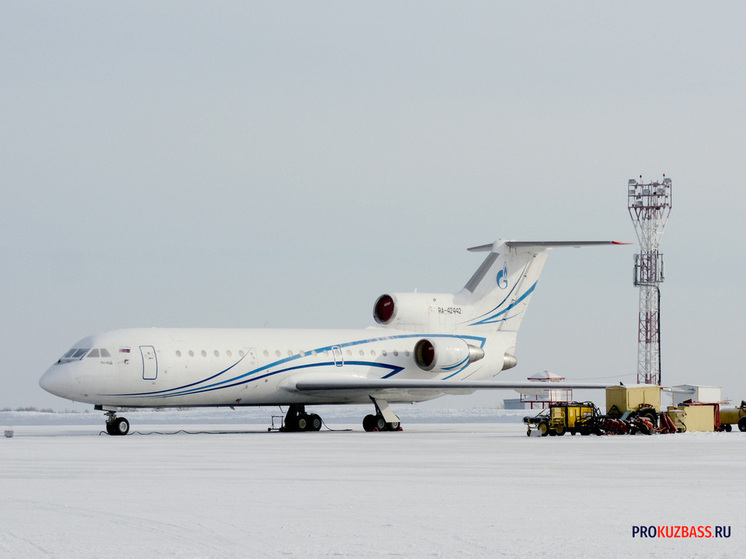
[(502, 277)]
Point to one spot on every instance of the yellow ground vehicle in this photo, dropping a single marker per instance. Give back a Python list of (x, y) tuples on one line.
[(732, 416), (563, 417)]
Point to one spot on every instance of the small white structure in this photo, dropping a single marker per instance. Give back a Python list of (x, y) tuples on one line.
[(696, 393), (541, 396)]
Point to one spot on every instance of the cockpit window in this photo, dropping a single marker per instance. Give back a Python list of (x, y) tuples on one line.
[(77, 353), (74, 354)]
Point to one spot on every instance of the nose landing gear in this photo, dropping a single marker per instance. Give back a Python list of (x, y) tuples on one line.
[(116, 425)]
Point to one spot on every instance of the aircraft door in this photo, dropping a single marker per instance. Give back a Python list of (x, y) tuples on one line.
[(337, 354), (149, 362)]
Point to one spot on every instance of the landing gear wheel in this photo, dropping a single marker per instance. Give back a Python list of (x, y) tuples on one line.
[(395, 426), (314, 422), (380, 423), (369, 422), (742, 424), (122, 426), (118, 426)]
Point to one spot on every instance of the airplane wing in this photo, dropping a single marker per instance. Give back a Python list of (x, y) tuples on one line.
[(325, 386)]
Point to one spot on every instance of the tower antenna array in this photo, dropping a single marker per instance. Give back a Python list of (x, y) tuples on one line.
[(649, 206)]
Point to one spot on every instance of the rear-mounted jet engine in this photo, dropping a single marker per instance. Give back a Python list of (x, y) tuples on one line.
[(445, 354)]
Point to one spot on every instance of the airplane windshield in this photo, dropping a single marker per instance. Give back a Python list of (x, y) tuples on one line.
[(78, 353)]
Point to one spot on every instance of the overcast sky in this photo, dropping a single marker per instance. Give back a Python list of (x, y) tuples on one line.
[(280, 164)]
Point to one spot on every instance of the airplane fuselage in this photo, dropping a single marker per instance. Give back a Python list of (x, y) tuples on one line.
[(153, 367)]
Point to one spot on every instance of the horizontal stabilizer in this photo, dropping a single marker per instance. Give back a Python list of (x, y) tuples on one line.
[(544, 244)]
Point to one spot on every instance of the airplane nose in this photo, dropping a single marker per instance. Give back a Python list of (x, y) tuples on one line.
[(57, 380)]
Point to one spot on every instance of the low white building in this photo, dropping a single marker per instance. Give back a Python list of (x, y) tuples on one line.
[(542, 396)]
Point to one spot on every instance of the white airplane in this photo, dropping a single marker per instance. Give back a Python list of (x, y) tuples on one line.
[(423, 346)]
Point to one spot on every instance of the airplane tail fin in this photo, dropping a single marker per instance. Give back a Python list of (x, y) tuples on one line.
[(498, 293)]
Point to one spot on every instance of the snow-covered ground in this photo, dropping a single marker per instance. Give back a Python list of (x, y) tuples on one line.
[(472, 485)]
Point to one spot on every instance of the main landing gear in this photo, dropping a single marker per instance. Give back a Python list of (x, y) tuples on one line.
[(378, 423), (296, 419), (384, 419)]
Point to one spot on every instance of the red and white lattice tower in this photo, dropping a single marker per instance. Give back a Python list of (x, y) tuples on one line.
[(649, 207)]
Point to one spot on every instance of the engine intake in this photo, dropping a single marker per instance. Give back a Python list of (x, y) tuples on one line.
[(383, 310)]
